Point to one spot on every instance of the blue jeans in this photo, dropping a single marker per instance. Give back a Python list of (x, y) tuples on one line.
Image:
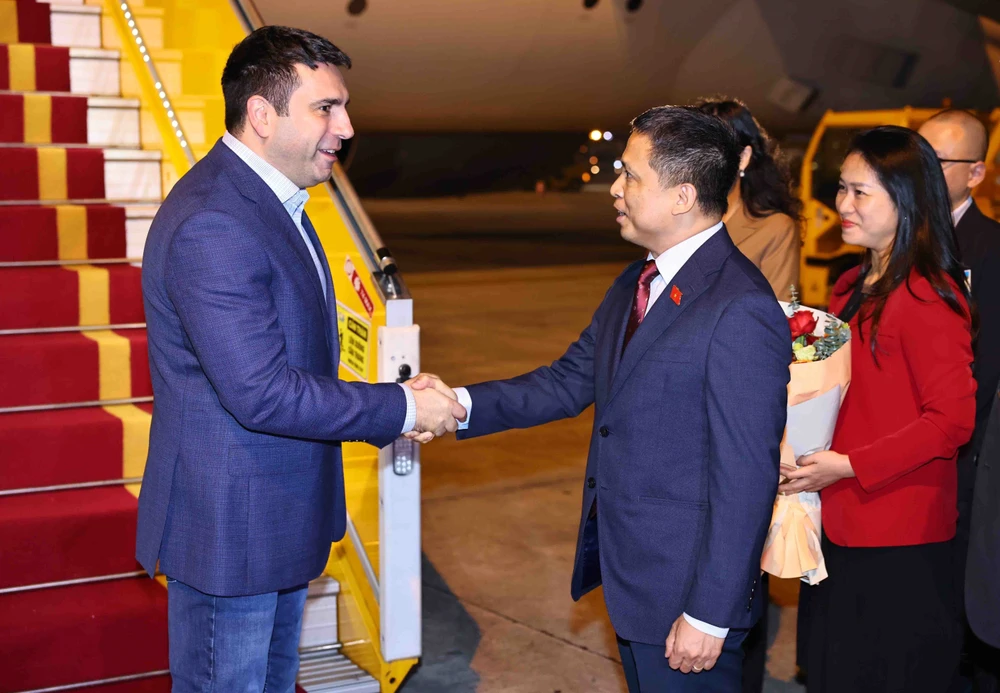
[(234, 644)]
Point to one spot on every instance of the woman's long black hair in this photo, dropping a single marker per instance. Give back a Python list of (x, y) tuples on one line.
[(910, 172), (766, 185)]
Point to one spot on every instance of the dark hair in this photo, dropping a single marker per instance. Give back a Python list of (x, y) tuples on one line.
[(908, 169), (264, 64), (767, 186), (689, 146)]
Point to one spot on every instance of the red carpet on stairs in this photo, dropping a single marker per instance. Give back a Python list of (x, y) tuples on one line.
[(33, 25), (93, 530), (67, 117), (49, 296), (30, 233), (67, 446), (64, 367), (82, 633), (44, 68), (52, 173)]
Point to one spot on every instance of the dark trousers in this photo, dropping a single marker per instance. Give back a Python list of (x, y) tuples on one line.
[(647, 670), (234, 643), (755, 648)]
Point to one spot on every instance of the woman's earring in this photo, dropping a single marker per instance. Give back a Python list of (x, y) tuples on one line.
[(742, 173)]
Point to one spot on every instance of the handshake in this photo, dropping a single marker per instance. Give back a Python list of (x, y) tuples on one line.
[(438, 410)]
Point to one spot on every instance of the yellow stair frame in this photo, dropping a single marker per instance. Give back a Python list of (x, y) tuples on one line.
[(822, 244), (182, 115)]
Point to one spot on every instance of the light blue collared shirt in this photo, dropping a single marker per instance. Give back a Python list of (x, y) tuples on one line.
[(293, 199), (668, 263)]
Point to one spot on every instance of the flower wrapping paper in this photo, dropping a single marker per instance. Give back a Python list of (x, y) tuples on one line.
[(815, 392)]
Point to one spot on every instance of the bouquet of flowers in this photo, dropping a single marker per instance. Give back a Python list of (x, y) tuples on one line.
[(820, 376)]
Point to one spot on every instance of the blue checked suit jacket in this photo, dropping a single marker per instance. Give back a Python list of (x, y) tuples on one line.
[(683, 462), (243, 488)]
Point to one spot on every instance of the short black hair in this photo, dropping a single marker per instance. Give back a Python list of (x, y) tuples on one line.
[(264, 64), (689, 146)]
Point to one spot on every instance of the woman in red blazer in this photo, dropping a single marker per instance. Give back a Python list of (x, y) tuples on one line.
[(886, 618)]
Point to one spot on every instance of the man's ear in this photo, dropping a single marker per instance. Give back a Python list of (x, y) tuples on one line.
[(687, 198), (261, 116), (977, 173)]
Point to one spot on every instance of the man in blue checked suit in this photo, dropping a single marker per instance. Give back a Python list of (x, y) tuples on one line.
[(686, 361), (243, 489)]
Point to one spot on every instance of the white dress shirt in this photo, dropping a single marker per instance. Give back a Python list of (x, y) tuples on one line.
[(959, 212), (668, 263), (293, 199)]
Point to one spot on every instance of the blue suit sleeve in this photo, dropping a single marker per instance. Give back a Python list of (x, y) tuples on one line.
[(559, 391), (218, 279), (746, 397)]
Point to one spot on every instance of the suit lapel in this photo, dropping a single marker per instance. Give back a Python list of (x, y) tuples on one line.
[(691, 280), (331, 297), (619, 304), (270, 211), (274, 216)]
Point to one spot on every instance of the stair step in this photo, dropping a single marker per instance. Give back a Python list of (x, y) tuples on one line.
[(81, 175), (69, 119), (81, 633), (68, 446), (332, 671), (95, 71), (34, 233), (66, 535), (133, 174), (70, 367), (28, 23), (78, 295), (76, 25)]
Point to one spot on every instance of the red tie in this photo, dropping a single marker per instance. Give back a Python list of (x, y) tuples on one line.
[(646, 277)]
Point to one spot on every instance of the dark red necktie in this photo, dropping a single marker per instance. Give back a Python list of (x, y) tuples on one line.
[(641, 300)]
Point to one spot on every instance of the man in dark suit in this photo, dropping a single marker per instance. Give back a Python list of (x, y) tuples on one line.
[(960, 141), (243, 488), (686, 361)]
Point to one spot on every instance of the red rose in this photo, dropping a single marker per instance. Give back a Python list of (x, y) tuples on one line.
[(802, 322)]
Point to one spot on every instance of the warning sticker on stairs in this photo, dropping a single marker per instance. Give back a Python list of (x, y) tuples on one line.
[(355, 341)]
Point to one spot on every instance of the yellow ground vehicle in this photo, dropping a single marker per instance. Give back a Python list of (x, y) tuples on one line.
[(824, 255)]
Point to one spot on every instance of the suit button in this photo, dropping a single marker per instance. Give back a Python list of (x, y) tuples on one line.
[(603, 430), (591, 482)]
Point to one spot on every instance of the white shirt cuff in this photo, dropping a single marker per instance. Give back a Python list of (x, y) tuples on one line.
[(466, 401), (707, 628), (411, 410)]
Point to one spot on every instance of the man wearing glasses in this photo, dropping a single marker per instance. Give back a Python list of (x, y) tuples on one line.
[(960, 141)]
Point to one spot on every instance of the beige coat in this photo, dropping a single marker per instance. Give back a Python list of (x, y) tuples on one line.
[(772, 243)]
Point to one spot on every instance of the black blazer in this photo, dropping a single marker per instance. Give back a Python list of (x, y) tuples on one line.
[(982, 574), (979, 464), (979, 245)]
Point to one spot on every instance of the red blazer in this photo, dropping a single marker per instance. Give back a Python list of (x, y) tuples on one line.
[(902, 422)]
